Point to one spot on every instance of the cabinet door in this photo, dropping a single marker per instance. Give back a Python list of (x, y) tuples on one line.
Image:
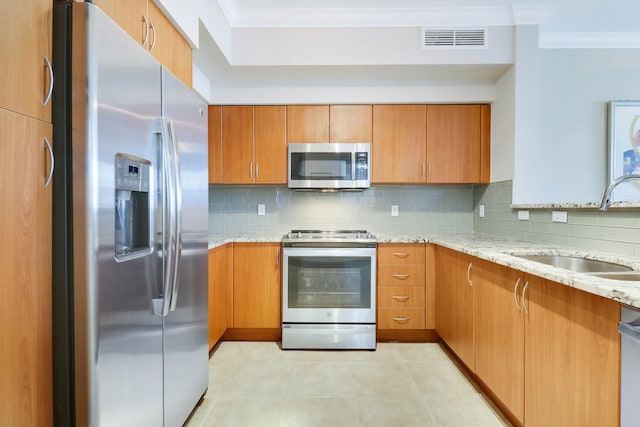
[(237, 145), (455, 144), (399, 144), (256, 285), (308, 123), (350, 123), (220, 292), (25, 341), (572, 360), (271, 144), (168, 46), (26, 41), (215, 144), (130, 15), (454, 302), (499, 332)]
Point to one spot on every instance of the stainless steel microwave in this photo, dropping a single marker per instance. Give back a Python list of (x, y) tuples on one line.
[(332, 166)]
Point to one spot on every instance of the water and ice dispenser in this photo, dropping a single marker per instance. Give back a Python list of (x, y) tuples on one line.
[(132, 210)]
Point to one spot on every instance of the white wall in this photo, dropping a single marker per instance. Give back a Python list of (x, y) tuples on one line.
[(503, 128), (569, 162)]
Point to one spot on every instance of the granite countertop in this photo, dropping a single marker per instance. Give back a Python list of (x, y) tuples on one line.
[(505, 252)]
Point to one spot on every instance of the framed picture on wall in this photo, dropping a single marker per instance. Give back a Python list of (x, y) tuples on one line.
[(624, 147)]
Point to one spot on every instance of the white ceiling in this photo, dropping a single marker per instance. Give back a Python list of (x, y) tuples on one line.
[(565, 19)]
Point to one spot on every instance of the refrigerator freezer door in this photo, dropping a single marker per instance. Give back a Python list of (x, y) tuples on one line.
[(118, 341), (185, 327)]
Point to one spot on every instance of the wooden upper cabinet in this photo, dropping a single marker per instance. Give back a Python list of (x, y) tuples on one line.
[(308, 123), (270, 144), (458, 143), (130, 15), (215, 144), (147, 25), (168, 46), (399, 144), (350, 123), (324, 123), (26, 340), (237, 144), (254, 145), (26, 42)]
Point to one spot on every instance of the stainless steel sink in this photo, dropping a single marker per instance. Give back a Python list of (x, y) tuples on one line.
[(632, 276), (577, 264)]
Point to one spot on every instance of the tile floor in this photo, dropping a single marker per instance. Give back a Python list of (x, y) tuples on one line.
[(404, 385)]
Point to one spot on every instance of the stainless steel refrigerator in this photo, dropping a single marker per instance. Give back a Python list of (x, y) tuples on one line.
[(136, 223)]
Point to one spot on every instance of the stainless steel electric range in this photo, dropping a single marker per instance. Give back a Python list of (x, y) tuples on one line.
[(329, 290)]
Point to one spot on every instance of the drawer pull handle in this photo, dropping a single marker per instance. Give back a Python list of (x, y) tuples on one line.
[(401, 319), (401, 298), (401, 254), (401, 276)]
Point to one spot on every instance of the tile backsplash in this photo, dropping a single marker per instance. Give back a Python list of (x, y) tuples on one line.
[(422, 209), (616, 230)]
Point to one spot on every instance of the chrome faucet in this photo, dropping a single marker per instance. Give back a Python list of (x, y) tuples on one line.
[(604, 205)]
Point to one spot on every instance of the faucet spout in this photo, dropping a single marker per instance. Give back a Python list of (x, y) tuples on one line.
[(606, 197)]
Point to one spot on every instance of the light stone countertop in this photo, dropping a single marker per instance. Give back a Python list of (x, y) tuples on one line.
[(505, 252)]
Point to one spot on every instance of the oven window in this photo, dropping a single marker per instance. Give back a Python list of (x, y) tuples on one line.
[(321, 166), (329, 282)]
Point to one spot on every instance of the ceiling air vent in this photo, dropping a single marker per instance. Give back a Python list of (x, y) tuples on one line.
[(453, 38)]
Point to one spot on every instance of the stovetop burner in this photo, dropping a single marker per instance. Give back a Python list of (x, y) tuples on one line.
[(328, 237)]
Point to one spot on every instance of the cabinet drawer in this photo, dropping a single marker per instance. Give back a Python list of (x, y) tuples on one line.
[(401, 275), (401, 296), (401, 318), (392, 253)]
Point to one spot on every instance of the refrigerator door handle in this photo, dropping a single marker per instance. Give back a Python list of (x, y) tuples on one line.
[(177, 214), (168, 218)]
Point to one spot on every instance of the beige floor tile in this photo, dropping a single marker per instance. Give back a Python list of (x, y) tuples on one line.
[(441, 381), (245, 412), (394, 412), (464, 412), (258, 379), (320, 379), (319, 412), (382, 379), (258, 384)]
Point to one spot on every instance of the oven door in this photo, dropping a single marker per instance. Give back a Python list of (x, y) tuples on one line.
[(329, 285)]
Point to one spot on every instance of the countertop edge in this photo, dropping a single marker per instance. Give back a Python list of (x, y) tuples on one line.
[(505, 252)]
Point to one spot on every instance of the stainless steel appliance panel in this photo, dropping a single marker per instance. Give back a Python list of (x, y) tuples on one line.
[(334, 337), (629, 328), (186, 327), (329, 285), (118, 339)]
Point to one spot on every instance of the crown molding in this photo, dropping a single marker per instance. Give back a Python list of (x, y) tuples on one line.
[(589, 40), (320, 17)]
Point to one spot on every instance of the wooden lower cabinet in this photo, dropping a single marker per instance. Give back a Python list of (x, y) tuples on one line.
[(26, 339), (549, 354), (454, 303), (401, 288), (256, 285), (572, 359), (498, 319), (220, 292)]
